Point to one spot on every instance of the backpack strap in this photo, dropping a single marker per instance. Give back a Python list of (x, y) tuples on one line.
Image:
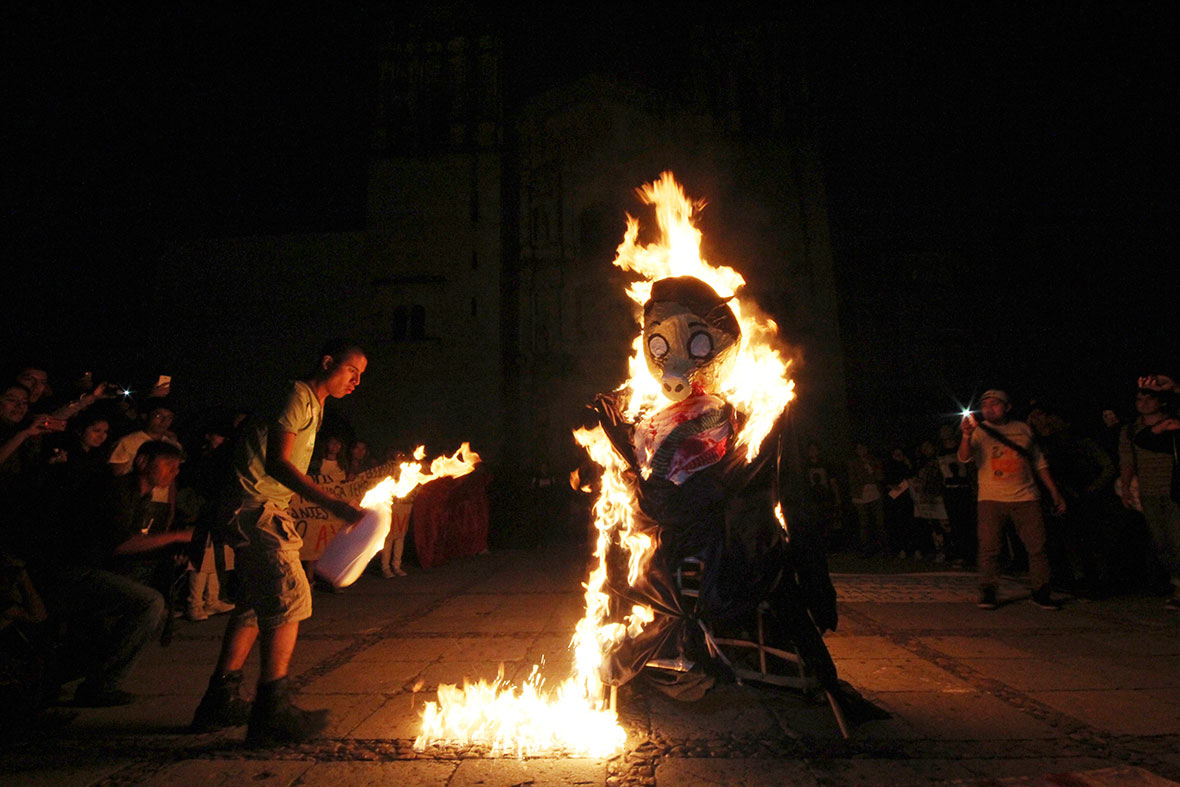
[(1003, 438)]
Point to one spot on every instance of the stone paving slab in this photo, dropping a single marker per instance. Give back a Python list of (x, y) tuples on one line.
[(905, 673), (695, 771), (958, 617), (556, 772), (348, 711), (268, 773), (1119, 711), (517, 624), (1075, 639), (68, 776), (724, 710), (970, 715), (957, 587), (396, 717), (859, 646), (415, 649), (1018, 693), (1119, 776), (968, 647), (359, 677), (887, 773), (455, 672), (1146, 641), (1078, 673), (379, 774)]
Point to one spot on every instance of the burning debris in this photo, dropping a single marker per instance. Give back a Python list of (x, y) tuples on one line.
[(685, 449)]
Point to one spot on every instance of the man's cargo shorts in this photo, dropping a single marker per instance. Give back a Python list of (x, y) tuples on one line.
[(272, 586)]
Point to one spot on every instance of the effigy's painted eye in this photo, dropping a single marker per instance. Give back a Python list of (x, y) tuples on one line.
[(700, 344), (658, 346)]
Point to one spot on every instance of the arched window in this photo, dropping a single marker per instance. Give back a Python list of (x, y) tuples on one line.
[(417, 322), (401, 323)]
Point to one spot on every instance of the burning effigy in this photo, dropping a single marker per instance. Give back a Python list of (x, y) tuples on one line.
[(685, 460)]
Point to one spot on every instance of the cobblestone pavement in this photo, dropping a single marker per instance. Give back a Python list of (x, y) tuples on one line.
[(955, 586), (1087, 695)]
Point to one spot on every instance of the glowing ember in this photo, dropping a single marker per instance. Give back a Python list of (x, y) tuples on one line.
[(576, 718)]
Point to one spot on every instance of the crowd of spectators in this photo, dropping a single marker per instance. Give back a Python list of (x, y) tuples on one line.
[(1115, 469), (108, 531), (108, 516)]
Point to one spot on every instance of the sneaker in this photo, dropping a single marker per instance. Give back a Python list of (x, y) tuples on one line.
[(398, 572), (987, 597), (1044, 599), (194, 615), (85, 697), (385, 572)]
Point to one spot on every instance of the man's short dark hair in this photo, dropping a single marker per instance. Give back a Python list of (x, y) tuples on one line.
[(158, 448), (337, 348), (153, 403), (1167, 399)]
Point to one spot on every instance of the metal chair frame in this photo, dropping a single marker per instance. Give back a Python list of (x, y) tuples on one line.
[(802, 678)]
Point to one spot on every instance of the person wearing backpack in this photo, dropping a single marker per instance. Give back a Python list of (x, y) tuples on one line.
[(1148, 452), (1008, 464)]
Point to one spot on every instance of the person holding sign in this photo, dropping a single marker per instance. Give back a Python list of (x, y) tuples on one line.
[(274, 595)]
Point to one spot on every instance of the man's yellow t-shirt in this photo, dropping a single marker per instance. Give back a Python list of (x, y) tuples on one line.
[(299, 413)]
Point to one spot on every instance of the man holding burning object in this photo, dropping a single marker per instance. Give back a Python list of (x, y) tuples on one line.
[(270, 467)]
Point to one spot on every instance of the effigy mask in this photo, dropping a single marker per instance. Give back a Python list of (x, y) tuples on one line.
[(690, 337)]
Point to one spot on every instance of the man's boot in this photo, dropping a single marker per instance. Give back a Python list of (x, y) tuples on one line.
[(222, 705), (274, 720)]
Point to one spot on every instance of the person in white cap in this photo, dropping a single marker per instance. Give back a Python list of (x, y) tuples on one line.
[(1008, 464)]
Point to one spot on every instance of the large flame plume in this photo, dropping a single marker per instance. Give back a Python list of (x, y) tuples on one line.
[(759, 386), (576, 718)]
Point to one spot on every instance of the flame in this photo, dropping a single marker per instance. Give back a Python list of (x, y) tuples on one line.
[(522, 720), (575, 718), (782, 520), (759, 385), (410, 476)]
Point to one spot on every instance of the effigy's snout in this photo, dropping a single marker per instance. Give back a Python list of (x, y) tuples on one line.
[(675, 387)]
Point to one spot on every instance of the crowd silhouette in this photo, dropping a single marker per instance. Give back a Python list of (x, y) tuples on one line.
[(109, 509), (109, 501), (1117, 530)]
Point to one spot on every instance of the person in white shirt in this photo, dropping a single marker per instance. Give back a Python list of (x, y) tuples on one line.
[(1009, 465)]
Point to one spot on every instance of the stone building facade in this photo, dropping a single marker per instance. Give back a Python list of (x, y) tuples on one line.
[(482, 283)]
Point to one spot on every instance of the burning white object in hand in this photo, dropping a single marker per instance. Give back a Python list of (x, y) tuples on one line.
[(350, 551)]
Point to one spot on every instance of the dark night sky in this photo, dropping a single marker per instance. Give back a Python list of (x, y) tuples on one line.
[(1004, 171), (1001, 190)]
